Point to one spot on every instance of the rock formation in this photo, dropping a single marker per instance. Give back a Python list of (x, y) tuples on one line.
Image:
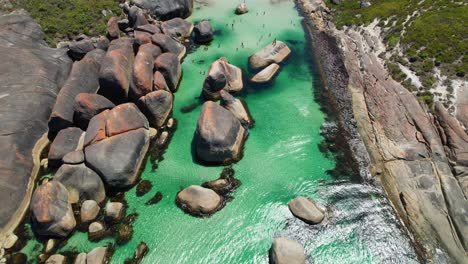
[(169, 66), (177, 28), (86, 106), (286, 251), (203, 32), (166, 9), (157, 107), (236, 107), (222, 76), (274, 52), (266, 74), (306, 210), (198, 201), (66, 141), (241, 9), (143, 70), (168, 44)]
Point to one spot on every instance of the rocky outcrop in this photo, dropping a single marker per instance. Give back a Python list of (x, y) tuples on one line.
[(51, 212), (241, 9), (198, 201), (204, 32), (407, 152), (168, 44), (89, 211), (32, 75), (306, 210), (83, 79), (275, 52), (219, 136), (86, 106), (177, 28), (78, 49), (286, 251), (169, 66), (157, 107), (115, 144), (166, 9), (143, 70), (222, 76), (66, 141), (266, 74), (236, 107)]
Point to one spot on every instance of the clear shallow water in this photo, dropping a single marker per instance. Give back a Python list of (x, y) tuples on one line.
[(281, 161)]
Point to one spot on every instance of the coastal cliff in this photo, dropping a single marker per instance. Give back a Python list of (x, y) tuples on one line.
[(418, 156)]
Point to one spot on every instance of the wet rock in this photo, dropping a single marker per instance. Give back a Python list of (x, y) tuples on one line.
[(203, 32), (81, 258), (225, 184), (66, 141), (219, 136), (51, 212), (241, 9), (222, 75), (157, 107), (113, 30), (149, 28), (286, 251), (89, 211), (97, 256), (266, 74), (275, 52), (168, 44), (81, 182), (155, 199), (124, 234), (168, 65), (136, 17), (74, 158), (166, 9), (236, 107), (306, 210), (78, 49), (115, 74), (198, 201), (143, 70), (56, 259), (96, 231), (159, 82), (114, 211), (86, 106), (143, 188), (177, 28), (82, 79)]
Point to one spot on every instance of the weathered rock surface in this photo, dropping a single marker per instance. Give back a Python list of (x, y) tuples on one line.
[(266, 74), (177, 28), (83, 79), (219, 136), (166, 9), (66, 141), (169, 66), (96, 231), (241, 9), (159, 82), (198, 201), (168, 44), (80, 259), (86, 106), (89, 211), (143, 70), (113, 30), (157, 107), (97, 256), (136, 17), (149, 28), (78, 49), (236, 107), (222, 75), (81, 182), (275, 52), (114, 211), (56, 259), (286, 251), (306, 210), (116, 73), (51, 212), (204, 32)]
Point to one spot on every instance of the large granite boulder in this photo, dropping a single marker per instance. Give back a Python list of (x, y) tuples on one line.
[(168, 44), (86, 106), (306, 210), (51, 212), (149, 28), (222, 76), (236, 107), (177, 28), (274, 52), (199, 201), (78, 49), (159, 82), (89, 211), (219, 136), (266, 74), (66, 141), (203, 32), (115, 144), (32, 75), (168, 65), (115, 74), (157, 107), (81, 182), (113, 30), (286, 251), (136, 17), (83, 79), (143, 70), (166, 9)]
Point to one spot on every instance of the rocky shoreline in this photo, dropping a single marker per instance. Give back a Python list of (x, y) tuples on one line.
[(395, 140)]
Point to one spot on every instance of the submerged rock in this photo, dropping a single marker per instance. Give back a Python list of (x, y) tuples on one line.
[(166, 9), (266, 74), (236, 107), (241, 9), (177, 28), (86, 106), (155, 199), (143, 188), (219, 136), (275, 52), (157, 107), (203, 32), (51, 212), (286, 251), (168, 65), (198, 201), (222, 75), (306, 210)]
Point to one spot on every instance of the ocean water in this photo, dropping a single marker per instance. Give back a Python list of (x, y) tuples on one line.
[(281, 161)]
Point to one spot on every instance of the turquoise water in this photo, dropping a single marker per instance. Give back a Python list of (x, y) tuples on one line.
[(281, 161)]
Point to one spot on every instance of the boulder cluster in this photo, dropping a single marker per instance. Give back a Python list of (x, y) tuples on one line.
[(267, 60)]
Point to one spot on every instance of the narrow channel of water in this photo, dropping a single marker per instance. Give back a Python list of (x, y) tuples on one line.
[(281, 161)]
